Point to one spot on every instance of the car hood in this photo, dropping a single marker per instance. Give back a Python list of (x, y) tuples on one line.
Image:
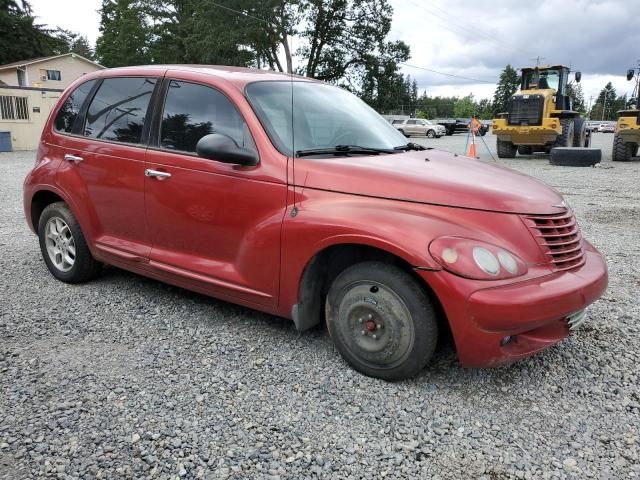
[(433, 177)]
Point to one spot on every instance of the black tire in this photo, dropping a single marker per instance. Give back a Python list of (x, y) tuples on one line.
[(623, 151), (565, 139), (403, 133), (431, 134), (381, 321), (525, 149), (84, 266), (575, 156), (580, 133), (506, 149)]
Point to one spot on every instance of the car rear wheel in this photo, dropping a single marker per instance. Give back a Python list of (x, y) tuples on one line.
[(381, 321), (64, 247), (431, 133)]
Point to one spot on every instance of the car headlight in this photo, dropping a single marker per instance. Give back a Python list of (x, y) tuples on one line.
[(476, 259)]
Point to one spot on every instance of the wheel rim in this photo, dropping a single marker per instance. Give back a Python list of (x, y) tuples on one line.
[(376, 324), (430, 134), (61, 247)]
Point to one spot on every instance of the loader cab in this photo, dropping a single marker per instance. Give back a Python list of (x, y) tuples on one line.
[(552, 77)]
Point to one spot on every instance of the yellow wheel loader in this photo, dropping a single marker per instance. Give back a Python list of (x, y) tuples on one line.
[(627, 136), (540, 115)]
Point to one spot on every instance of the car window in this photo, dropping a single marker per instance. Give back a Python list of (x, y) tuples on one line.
[(411, 122), (395, 122), (118, 110), (192, 111), (68, 113)]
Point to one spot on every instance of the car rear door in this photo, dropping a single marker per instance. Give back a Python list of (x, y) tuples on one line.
[(214, 225), (103, 167)]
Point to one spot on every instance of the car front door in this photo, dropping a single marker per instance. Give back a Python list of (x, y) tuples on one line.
[(103, 167), (213, 224)]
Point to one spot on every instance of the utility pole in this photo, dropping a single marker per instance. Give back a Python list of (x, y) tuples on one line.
[(636, 90), (537, 59)]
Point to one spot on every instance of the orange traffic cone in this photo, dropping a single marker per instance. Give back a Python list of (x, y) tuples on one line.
[(472, 147)]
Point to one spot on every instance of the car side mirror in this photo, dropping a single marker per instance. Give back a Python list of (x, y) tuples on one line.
[(223, 148), (578, 77)]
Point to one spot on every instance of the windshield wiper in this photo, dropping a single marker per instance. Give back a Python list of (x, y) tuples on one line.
[(342, 149), (412, 146)]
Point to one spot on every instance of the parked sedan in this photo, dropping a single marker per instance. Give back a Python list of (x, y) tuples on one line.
[(419, 126)]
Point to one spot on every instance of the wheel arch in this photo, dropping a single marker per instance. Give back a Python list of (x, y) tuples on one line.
[(328, 262), (40, 200), (45, 196)]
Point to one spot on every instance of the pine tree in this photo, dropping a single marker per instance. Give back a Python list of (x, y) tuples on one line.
[(607, 104), (124, 34), (574, 90), (507, 86), (20, 37)]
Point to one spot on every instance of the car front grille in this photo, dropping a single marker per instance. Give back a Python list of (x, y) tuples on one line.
[(559, 237), (526, 110)]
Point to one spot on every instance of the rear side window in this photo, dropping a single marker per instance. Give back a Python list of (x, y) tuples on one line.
[(68, 113), (118, 109), (192, 111)]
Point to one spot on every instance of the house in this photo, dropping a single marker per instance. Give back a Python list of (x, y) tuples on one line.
[(29, 90), (58, 71)]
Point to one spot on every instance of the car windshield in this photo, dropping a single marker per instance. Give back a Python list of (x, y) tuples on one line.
[(324, 117)]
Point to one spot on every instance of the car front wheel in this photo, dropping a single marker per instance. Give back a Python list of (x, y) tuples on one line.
[(381, 320), (64, 247), (431, 134)]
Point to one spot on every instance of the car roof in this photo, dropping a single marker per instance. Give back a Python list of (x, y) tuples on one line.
[(237, 76)]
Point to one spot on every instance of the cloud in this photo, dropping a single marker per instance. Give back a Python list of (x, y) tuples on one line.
[(477, 39)]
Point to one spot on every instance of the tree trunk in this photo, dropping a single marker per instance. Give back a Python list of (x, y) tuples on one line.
[(287, 53)]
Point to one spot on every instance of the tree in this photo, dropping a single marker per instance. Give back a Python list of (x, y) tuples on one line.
[(607, 104), (574, 90), (23, 39), (484, 109), (464, 107), (75, 43), (507, 85), (125, 35)]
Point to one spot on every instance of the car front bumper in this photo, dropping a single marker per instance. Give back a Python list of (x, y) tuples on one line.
[(499, 325)]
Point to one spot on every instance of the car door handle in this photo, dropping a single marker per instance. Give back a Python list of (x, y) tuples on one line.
[(72, 158), (155, 173)]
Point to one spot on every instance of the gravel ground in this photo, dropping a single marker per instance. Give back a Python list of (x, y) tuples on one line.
[(126, 377)]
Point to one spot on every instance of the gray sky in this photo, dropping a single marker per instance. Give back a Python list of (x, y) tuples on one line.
[(475, 39)]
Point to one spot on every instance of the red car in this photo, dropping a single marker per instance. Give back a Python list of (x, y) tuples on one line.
[(293, 197)]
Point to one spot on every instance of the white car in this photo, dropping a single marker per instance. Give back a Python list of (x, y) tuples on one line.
[(419, 126)]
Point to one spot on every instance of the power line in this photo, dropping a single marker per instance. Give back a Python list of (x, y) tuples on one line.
[(448, 74), (241, 13), (450, 24), (405, 64)]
